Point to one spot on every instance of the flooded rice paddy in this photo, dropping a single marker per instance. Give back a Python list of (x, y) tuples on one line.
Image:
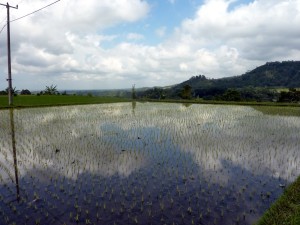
[(144, 163)]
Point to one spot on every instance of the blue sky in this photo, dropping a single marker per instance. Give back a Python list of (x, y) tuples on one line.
[(93, 44), (163, 17)]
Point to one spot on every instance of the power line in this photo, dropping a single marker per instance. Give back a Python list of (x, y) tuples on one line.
[(10, 96), (4, 19), (2, 28), (29, 14), (35, 11)]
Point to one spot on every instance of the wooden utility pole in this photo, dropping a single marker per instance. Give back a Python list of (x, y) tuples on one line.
[(10, 96)]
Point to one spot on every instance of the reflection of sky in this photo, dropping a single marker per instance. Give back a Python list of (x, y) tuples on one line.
[(108, 139), (261, 144), (83, 146)]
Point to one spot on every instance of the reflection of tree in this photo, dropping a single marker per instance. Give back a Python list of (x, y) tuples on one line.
[(13, 140), (187, 104), (133, 104)]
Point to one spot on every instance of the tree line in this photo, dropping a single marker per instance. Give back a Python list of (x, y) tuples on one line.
[(49, 90), (258, 94)]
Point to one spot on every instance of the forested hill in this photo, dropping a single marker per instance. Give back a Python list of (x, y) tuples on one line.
[(272, 74), (259, 84)]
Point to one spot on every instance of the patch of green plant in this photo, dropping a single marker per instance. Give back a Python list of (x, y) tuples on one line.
[(281, 111), (56, 100), (286, 210), (217, 102)]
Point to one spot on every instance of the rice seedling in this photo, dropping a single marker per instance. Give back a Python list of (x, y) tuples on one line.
[(202, 164)]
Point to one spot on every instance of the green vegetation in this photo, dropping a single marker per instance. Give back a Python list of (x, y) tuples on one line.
[(133, 92), (272, 74), (57, 100), (20, 101), (261, 84), (186, 92), (51, 90), (289, 96), (223, 102), (286, 210), (152, 93), (281, 111)]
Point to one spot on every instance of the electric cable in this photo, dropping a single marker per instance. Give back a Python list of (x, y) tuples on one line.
[(29, 14)]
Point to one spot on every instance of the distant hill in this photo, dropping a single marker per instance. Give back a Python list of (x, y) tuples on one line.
[(272, 74), (258, 84), (125, 93)]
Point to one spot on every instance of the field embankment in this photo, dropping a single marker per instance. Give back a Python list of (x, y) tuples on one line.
[(286, 210), (56, 100)]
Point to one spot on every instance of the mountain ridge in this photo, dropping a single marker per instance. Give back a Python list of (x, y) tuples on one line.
[(271, 74), (258, 83)]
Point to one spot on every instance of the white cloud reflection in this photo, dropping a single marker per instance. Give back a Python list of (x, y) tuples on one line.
[(110, 140)]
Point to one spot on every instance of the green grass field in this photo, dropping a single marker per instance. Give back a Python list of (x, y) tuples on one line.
[(278, 110), (270, 108), (56, 100), (286, 210)]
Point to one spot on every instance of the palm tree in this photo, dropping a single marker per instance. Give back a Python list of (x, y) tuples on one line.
[(51, 90), (14, 91), (133, 93)]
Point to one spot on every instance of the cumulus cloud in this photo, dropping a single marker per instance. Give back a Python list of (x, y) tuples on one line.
[(258, 29), (161, 31), (69, 44), (134, 36)]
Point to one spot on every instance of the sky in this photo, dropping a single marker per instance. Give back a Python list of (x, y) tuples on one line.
[(113, 44)]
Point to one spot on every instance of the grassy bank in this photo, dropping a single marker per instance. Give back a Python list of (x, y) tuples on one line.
[(56, 100), (200, 101), (286, 210), (268, 108), (278, 110)]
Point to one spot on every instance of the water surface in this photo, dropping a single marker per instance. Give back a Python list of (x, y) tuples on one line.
[(144, 163)]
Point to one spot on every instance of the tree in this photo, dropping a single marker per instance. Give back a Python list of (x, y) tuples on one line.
[(133, 93), (154, 93), (14, 91), (231, 95), (4, 92), (186, 92), (51, 90), (292, 96), (25, 92)]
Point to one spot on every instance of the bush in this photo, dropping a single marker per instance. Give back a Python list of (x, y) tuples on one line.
[(25, 92)]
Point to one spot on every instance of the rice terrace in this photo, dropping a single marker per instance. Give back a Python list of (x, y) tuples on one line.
[(150, 112), (144, 163)]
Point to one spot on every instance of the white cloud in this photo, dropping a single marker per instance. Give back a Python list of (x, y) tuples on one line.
[(135, 36), (68, 41), (253, 29), (161, 31)]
